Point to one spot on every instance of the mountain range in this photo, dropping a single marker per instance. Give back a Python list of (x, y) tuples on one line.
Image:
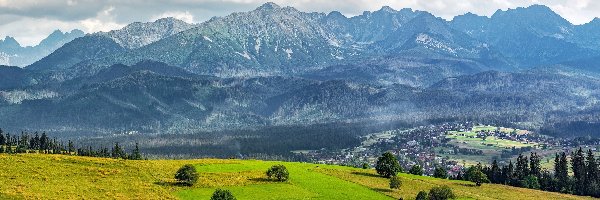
[(278, 66), (12, 53)]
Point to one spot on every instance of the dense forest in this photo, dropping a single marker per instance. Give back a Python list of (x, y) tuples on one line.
[(528, 173), (36, 143), (274, 142)]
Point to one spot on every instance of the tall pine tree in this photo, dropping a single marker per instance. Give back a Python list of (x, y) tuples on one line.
[(561, 173), (579, 171), (535, 168), (2, 139), (592, 177), (495, 172), (522, 168), (135, 154), (508, 174)]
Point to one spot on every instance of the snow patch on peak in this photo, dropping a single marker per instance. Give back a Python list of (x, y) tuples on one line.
[(289, 53), (257, 46), (431, 42), (245, 55), (4, 59), (207, 38)]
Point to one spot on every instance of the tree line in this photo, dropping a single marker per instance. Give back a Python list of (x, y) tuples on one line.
[(528, 173), (36, 143)]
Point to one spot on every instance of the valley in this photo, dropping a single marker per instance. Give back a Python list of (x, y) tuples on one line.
[(380, 104)]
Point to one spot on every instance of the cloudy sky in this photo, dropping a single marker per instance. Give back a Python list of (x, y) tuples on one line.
[(29, 21)]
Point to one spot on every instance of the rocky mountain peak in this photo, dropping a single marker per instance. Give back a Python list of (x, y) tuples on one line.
[(387, 9), (268, 6), (138, 34), (9, 42)]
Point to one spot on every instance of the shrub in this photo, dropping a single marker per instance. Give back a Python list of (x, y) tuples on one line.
[(187, 175), (416, 170), (530, 182), (365, 166), (422, 196), (395, 182), (279, 172), (441, 193), (387, 165), (220, 194)]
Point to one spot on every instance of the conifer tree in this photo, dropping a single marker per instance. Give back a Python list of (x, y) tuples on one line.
[(2, 139), (23, 143), (510, 174), (8, 143), (35, 142), (135, 154), (592, 175), (522, 167), (44, 142), (117, 151), (579, 171), (535, 168), (561, 172), (495, 172), (71, 147)]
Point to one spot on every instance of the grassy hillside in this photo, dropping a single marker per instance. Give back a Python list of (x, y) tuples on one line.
[(35, 176)]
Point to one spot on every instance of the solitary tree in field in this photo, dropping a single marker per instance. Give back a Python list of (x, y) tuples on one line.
[(187, 175), (395, 182), (387, 165), (477, 176), (441, 193), (220, 194), (278, 172), (440, 172), (416, 170)]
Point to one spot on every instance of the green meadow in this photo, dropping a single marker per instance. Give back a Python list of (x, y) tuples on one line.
[(37, 176)]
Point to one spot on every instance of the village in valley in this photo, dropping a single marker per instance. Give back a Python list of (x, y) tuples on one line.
[(453, 146)]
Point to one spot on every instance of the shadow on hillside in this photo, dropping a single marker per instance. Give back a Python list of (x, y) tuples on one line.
[(262, 180), (467, 185), (366, 174), (382, 190), (165, 183)]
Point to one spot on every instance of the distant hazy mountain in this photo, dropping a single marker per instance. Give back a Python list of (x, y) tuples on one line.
[(529, 36), (102, 44), (12, 53)]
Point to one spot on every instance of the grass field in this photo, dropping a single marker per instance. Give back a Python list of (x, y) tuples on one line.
[(490, 146), (36, 176), (468, 140)]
